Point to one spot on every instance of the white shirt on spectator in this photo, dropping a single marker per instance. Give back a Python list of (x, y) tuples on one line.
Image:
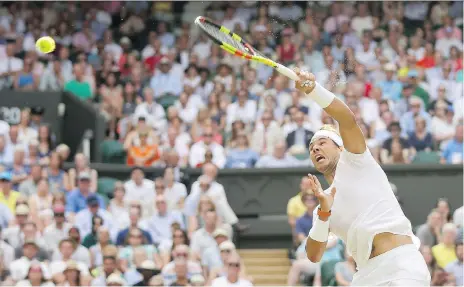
[(198, 150), (159, 226), (201, 240), (443, 45), (217, 194), (246, 113), (457, 216), (143, 193), (418, 53), (9, 64), (181, 144), (8, 255), (52, 235), (81, 254), (202, 49), (188, 112), (115, 50), (154, 112), (365, 58), (359, 24), (369, 110), (223, 282), (270, 161), (175, 194), (58, 267), (83, 221), (19, 268)]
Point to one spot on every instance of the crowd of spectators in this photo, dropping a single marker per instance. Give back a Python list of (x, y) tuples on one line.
[(163, 86), (173, 99)]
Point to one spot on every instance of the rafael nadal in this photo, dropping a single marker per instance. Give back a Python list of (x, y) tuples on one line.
[(359, 206)]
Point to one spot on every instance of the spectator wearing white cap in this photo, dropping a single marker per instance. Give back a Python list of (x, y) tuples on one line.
[(211, 258), (115, 279), (232, 276), (226, 248)]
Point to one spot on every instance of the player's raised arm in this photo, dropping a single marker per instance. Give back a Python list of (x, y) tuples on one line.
[(352, 136)]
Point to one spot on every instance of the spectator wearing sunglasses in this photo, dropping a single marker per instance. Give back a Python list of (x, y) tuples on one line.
[(232, 274), (181, 254)]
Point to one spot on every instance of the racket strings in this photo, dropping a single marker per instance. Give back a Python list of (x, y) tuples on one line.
[(226, 38)]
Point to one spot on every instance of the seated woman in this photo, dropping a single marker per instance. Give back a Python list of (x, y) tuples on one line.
[(57, 177), (35, 276), (179, 237), (135, 240), (421, 139)]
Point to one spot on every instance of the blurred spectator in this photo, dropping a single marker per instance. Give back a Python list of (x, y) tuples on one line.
[(430, 232), (7, 195), (266, 135), (279, 158), (81, 164), (444, 252), (58, 229), (304, 223), (78, 198), (232, 274), (134, 217), (140, 189), (453, 151), (455, 268), (199, 150)]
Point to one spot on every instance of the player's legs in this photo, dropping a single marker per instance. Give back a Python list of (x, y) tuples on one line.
[(402, 266)]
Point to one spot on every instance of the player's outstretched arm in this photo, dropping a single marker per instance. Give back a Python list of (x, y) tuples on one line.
[(352, 136)]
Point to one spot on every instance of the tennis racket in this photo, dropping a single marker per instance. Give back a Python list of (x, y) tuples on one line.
[(234, 44)]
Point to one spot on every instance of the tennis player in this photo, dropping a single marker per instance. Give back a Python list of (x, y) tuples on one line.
[(359, 206)]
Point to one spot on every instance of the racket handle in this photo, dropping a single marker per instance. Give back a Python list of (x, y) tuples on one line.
[(287, 72)]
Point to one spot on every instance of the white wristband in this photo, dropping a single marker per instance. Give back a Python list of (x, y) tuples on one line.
[(321, 96), (320, 231)]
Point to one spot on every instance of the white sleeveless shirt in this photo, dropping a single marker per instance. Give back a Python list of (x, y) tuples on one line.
[(364, 205)]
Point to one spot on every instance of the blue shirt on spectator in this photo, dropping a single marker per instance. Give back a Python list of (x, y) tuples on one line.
[(121, 238), (166, 84), (76, 201), (304, 224), (5, 216), (391, 90), (408, 125), (238, 158), (159, 226), (6, 157), (453, 152)]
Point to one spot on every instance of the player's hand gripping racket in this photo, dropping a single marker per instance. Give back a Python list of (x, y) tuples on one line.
[(235, 45)]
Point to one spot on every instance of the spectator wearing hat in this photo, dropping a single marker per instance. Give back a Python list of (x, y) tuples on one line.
[(19, 268), (115, 279), (211, 257), (58, 229), (147, 269), (225, 249), (232, 275), (7, 195), (456, 268), (391, 87), (84, 218), (13, 233), (77, 198), (165, 81)]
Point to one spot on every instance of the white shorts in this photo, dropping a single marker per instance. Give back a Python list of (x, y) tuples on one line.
[(402, 266)]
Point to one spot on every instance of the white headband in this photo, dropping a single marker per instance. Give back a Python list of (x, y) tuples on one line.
[(327, 134)]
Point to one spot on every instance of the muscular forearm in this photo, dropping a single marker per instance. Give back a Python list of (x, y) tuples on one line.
[(315, 249), (317, 240)]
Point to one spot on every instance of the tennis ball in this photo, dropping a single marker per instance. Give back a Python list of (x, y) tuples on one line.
[(45, 44)]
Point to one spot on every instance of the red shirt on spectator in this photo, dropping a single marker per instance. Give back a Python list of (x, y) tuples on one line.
[(152, 61), (426, 62), (123, 69)]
